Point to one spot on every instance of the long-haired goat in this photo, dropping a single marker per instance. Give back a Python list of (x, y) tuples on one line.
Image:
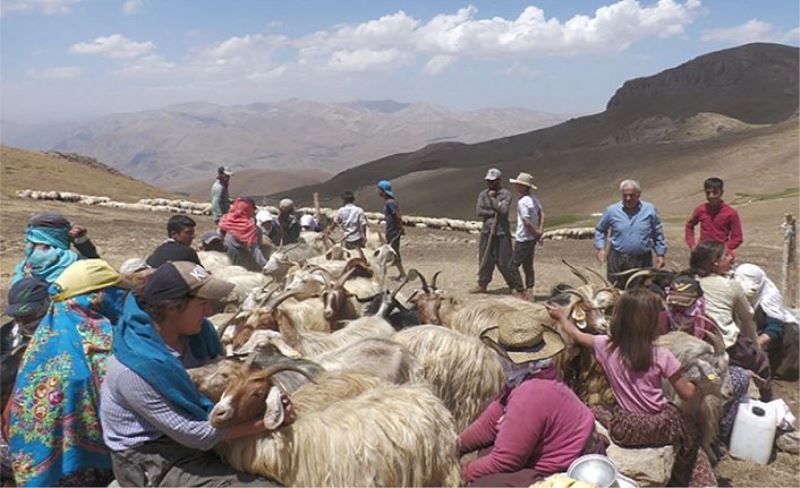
[(460, 369)]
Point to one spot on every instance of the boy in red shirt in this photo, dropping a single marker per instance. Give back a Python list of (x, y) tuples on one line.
[(718, 220)]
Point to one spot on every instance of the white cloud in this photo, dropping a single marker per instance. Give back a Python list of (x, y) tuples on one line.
[(751, 31), (364, 58), (57, 73), (47, 7), (146, 66), (131, 7), (438, 64), (115, 46)]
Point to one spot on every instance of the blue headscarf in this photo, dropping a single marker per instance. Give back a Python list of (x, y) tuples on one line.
[(45, 264), (139, 346)]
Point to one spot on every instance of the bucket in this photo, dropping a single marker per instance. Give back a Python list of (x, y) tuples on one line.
[(753, 432)]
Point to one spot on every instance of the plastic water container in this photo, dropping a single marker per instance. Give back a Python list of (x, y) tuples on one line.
[(753, 432)]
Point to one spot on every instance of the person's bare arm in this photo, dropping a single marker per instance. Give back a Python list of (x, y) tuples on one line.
[(683, 387), (560, 314)]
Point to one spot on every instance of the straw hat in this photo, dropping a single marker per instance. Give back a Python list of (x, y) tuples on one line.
[(524, 179), (524, 341)]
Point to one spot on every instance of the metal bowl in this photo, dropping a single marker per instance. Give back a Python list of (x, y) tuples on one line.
[(595, 469)]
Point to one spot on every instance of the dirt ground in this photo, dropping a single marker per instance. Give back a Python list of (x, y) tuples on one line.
[(121, 234)]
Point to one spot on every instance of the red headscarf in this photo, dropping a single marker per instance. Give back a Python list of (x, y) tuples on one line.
[(239, 222)]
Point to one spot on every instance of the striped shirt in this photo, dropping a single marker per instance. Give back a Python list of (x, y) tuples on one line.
[(132, 412)]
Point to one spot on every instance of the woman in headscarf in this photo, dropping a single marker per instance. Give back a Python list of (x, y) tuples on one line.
[(774, 322), (537, 426), (242, 237), (47, 247), (155, 421), (54, 428)]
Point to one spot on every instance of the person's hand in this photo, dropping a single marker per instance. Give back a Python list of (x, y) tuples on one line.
[(556, 312), (601, 256), (492, 193), (76, 232), (660, 262), (288, 409)]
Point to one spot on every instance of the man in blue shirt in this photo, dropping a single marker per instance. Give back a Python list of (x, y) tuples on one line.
[(636, 232)]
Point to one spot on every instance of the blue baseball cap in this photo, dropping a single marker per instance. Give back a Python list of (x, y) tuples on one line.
[(386, 187), (28, 296)]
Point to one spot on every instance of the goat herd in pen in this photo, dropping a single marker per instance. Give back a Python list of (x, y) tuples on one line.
[(364, 380)]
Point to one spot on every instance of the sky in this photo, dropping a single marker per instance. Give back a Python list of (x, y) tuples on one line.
[(71, 59)]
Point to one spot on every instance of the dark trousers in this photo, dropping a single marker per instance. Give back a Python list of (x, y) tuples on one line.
[(164, 462), (499, 255), (617, 262), (523, 255)]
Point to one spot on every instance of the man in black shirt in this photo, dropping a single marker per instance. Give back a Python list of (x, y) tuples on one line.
[(180, 229)]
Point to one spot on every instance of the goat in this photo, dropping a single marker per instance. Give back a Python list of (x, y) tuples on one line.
[(706, 365), (380, 357), (312, 344), (460, 369), (213, 261), (353, 430), (283, 258)]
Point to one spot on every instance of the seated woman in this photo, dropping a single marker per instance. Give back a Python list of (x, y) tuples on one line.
[(537, 426), (242, 236), (635, 368), (776, 325), (54, 429), (47, 247), (727, 305), (154, 420)]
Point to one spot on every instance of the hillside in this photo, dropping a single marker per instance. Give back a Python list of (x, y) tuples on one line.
[(21, 169), (589, 155), (252, 182), (187, 142)]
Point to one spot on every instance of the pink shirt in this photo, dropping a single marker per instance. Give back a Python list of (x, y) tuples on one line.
[(636, 391), (543, 426)]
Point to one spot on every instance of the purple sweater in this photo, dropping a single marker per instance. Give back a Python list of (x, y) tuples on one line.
[(543, 426)]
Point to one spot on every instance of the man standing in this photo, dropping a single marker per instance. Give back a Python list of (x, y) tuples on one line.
[(286, 228), (530, 227), (353, 222), (636, 232), (495, 244), (178, 246), (220, 199), (718, 220), (394, 223)]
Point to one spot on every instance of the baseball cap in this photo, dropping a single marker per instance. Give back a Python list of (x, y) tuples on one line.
[(264, 216), (493, 174), (386, 187), (179, 279), (224, 170), (307, 221), (211, 236), (28, 296)]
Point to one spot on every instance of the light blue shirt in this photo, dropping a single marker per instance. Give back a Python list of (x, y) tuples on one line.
[(638, 233)]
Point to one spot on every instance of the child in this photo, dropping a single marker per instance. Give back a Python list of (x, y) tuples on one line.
[(394, 222), (530, 226), (718, 220), (635, 368), (352, 221)]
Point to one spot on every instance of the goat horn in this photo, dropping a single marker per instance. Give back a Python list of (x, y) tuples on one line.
[(409, 277), (578, 294), (424, 282), (716, 341), (228, 322), (576, 272), (344, 277), (395, 238), (287, 366), (627, 272), (433, 283), (596, 273), (283, 297), (642, 272)]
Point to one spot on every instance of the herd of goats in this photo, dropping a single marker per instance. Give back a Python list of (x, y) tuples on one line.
[(380, 381)]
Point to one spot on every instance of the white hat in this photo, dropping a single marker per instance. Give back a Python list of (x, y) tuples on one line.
[(286, 203), (524, 179), (307, 221), (493, 174), (263, 216)]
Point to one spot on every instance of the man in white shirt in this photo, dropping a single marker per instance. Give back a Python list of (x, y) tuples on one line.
[(353, 222), (530, 227)]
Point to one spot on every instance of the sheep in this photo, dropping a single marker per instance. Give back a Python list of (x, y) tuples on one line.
[(385, 436), (460, 369), (312, 344), (706, 365)]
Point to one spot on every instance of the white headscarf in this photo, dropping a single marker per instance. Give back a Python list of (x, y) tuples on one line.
[(761, 291)]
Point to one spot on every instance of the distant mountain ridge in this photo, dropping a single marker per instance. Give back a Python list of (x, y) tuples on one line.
[(712, 101), (186, 142)]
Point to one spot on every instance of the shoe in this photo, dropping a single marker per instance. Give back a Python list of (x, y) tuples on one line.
[(477, 289)]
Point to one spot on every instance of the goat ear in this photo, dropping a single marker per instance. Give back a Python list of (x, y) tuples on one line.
[(275, 414), (375, 253), (329, 254)]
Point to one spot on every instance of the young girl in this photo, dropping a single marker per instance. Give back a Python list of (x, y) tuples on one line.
[(635, 369)]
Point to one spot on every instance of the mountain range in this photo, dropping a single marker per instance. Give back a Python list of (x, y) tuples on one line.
[(730, 113), (175, 145)]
